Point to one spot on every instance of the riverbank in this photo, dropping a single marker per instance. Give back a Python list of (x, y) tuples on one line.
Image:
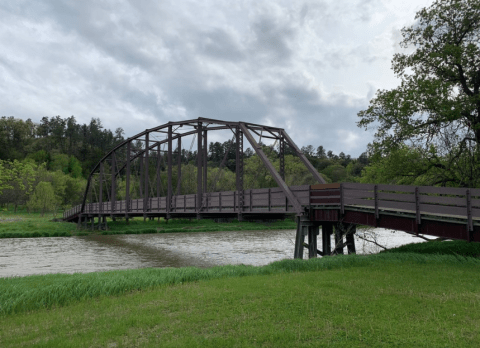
[(33, 225), (388, 299)]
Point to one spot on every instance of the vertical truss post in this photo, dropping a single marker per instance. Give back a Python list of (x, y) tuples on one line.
[(127, 184), (205, 159), (159, 160), (90, 195), (140, 179), (179, 168), (170, 190), (100, 195), (146, 179), (239, 171), (282, 157), (113, 195), (199, 168)]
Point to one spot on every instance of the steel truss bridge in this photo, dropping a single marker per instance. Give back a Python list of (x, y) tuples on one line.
[(142, 169)]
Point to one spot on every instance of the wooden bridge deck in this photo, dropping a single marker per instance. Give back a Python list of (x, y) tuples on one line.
[(444, 212)]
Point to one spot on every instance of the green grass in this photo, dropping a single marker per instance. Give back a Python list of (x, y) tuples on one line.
[(25, 225), (137, 226), (456, 247), (384, 300)]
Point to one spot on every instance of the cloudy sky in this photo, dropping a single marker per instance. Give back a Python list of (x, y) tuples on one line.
[(306, 66)]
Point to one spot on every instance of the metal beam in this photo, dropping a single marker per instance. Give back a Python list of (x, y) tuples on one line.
[(199, 166), (278, 179), (304, 159), (170, 189), (127, 186), (146, 180)]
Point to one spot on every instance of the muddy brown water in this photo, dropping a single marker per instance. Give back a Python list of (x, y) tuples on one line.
[(27, 256)]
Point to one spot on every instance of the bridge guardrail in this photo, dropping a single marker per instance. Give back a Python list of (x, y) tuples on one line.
[(463, 203)]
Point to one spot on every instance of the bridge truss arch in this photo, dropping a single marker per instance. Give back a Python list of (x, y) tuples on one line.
[(109, 189)]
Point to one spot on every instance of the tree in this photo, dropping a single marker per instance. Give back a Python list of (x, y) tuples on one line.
[(321, 152), (436, 108), (19, 179), (43, 198), (335, 172)]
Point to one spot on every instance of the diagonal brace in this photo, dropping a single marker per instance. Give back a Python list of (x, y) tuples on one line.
[(291, 197), (304, 159)]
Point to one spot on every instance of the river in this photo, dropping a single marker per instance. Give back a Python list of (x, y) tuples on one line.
[(28, 256)]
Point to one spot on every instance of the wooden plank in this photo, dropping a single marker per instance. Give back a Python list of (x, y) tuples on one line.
[(300, 188), (355, 201), (324, 186), (355, 186), (475, 192), (325, 193), (261, 191), (444, 210), (461, 202), (278, 201), (443, 190), (397, 188), (358, 194), (325, 200), (476, 213), (476, 203), (396, 197), (396, 205)]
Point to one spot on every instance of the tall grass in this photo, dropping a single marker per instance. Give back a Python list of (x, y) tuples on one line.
[(457, 247), (23, 294)]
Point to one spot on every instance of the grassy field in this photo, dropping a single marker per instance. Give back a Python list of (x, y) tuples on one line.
[(384, 300), (24, 225)]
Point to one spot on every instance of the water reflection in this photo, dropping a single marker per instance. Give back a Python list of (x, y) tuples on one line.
[(25, 256)]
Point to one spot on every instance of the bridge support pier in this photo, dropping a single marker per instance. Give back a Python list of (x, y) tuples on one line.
[(350, 239), (347, 230), (305, 227), (327, 230)]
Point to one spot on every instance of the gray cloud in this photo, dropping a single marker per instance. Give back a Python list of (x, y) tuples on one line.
[(308, 67)]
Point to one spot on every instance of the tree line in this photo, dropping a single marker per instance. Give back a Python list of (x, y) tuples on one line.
[(427, 128), (44, 167)]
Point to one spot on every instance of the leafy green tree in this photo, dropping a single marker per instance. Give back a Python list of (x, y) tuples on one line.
[(436, 108), (43, 198), (5, 176), (336, 172), (19, 180)]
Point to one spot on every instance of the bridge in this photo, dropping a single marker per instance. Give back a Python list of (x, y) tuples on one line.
[(136, 178)]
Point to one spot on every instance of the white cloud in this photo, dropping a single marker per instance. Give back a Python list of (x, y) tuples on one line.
[(306, 66)]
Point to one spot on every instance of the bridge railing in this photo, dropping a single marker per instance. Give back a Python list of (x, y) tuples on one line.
[(72, 211), (463, 203), (254, 201)]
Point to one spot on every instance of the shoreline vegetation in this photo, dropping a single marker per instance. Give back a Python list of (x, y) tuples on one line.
[(33, 225), (388, 299)]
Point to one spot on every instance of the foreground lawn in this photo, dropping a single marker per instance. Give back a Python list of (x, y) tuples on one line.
[(399, 300)]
